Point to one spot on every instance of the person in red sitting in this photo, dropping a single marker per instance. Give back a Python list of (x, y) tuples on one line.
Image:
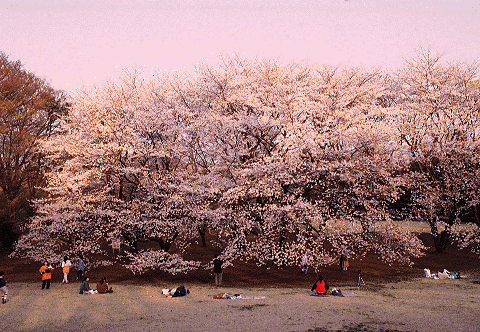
[(102, 286), (320, 287)]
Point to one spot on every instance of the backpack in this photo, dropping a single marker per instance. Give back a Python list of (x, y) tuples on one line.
[(181, 291)]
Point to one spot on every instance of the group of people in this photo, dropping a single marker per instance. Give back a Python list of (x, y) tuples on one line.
[(46, 271), (319, 287), (102, 287)]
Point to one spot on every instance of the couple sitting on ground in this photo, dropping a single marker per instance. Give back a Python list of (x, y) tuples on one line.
[(102, 287)]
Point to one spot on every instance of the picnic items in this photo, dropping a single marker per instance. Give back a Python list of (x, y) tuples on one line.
[(175, 292), (236, 297), (334, 292), (445, 274)]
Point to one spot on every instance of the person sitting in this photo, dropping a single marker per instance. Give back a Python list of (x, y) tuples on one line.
[(320, 287), (85, 287), (102, 286)]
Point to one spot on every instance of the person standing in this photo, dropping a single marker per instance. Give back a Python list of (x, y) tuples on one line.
[(344, 262), (217, 270), (3, 288), (80, 268), (46, 272), (304, 263), (66, 269)]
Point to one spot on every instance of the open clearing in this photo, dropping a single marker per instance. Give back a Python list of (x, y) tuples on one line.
[(415, 305)]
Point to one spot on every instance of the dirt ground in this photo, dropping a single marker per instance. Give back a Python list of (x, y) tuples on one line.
[(248, 274), (416, 305)]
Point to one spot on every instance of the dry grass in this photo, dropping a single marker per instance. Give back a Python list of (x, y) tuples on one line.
[(417, 305)]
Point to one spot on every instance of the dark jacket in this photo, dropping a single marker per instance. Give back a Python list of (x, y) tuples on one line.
[(3, 283), (84, 287), (217, 266)]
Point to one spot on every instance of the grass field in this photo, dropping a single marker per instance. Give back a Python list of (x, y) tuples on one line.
[(415, 305)]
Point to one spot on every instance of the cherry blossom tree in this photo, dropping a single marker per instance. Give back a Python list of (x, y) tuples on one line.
[(438, 124), (280, 162), (287, 130)]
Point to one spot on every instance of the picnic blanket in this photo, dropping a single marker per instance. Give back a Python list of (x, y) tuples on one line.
[(340, 295), (236, 297)]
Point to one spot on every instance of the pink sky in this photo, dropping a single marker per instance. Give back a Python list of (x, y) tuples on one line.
[(72, 43)]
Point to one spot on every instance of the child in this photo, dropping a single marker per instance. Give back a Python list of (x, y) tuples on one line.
[(3, 287)]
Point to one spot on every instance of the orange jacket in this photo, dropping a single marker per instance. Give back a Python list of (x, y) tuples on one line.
[(66, 266), (46, 275)]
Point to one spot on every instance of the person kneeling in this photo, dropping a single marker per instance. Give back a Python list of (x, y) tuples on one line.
[(102, 286), (320, 287), (85, 287)]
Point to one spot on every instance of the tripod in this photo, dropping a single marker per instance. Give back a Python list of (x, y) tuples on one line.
[(360, 280)]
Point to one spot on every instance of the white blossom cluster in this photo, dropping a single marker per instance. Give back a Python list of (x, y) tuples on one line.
[(161, 260)]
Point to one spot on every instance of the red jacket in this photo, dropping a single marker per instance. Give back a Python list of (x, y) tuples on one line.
[(320, 287)]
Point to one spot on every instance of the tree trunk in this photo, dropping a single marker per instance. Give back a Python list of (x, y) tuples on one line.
[(165, 244), (202, 231), (441, 241), (477, 218)]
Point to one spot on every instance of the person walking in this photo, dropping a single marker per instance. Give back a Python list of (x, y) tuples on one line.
[(217, 270), (3, 288), (46, 272), (80, 268), (66, 269)]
